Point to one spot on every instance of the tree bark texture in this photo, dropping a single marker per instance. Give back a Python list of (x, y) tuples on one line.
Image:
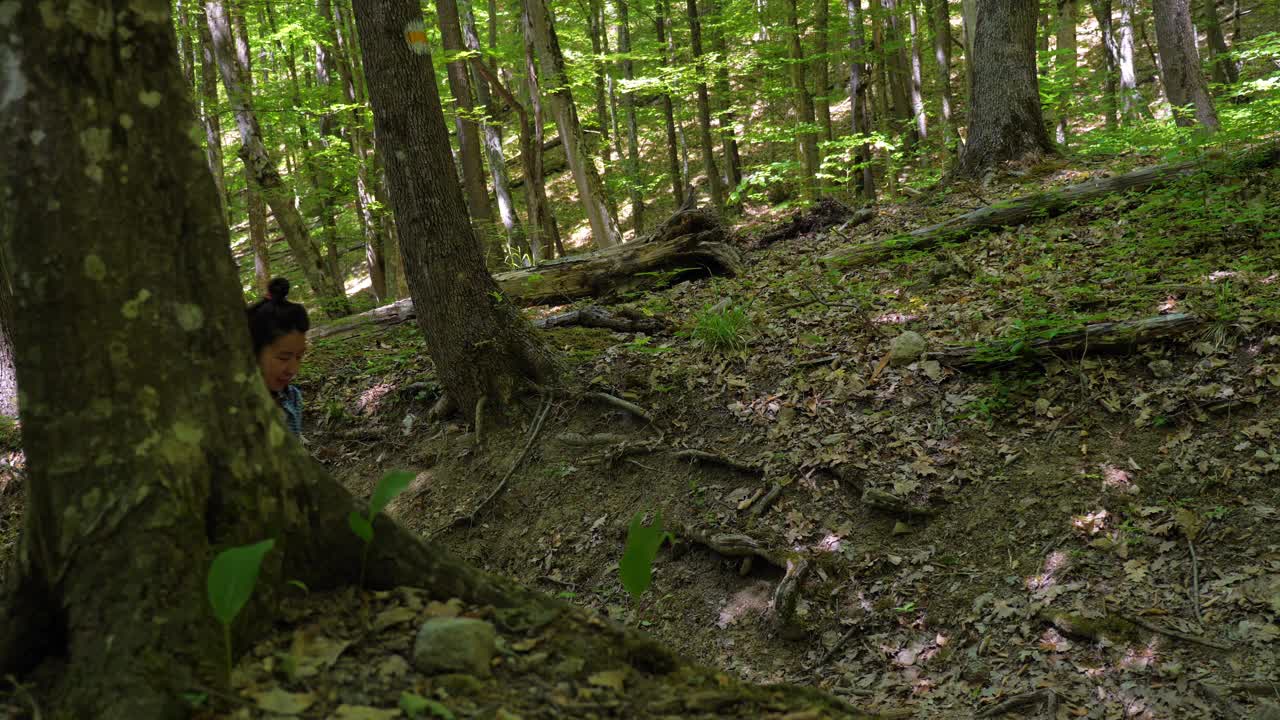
[(807, 138), (595, 29), (1005, 123), (917, 84), (1184, 83), (532, 151), (262, 167), (633, 131), (480, 345), (1130, 99), (254, 208), (209, 112), (894, 47), (468, 130), (939, 14), (704, 108), (8, 320), (724, 94), (673, 143), (604, 227), (822, 66)]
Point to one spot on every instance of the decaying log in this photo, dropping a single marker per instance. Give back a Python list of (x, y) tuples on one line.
[(1040, 206), (788, 590), (393, 314), (597, 317), (734, 545), (888, 502), (823, 214), (1109, 336)]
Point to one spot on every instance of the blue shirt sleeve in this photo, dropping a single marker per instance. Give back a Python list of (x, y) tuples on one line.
[(292, 405)]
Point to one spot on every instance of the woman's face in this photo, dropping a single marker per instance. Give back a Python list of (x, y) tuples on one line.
[(280, 360)]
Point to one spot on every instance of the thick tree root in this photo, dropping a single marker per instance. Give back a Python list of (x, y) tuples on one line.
[(1039, 206), (787, 593)]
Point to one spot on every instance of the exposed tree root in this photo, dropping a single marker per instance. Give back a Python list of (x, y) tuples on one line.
[(1017, 702), (706, 457), (1040, 206), (619, 403), (788, 590)]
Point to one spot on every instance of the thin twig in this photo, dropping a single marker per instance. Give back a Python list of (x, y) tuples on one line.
[(704, 456), (1195, 580), (1044, 695), (1198, 640), (533, 436), (621, 405), (831, 651), (765, 502)]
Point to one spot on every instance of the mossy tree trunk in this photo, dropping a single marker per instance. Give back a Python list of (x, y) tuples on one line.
[(481, 346)]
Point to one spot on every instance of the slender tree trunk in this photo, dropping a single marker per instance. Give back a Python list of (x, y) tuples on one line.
[(1111, 61), (186, 51), (939, 14), (209, 118), (969, 22), (724, 91), (808, 139), (480, 344), (492, 133), (917, 85), (1224, 68), (8, 323), (468, 131), (604, 228), (894, 53), (668, 115), (858, 113), (254, 207), (531, 143), (1184, 83), (633, 132), (1005, 123), (595, 31), (1065, 65), (822, 66), (704, 108), (1130, 98), (265, 177)]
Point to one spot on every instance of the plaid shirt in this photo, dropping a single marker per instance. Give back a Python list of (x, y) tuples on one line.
[(290, 400)]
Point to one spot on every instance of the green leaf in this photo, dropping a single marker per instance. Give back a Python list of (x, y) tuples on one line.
[(232, 576), (391, 485), (636, 567), (415, 706), (360, 526)]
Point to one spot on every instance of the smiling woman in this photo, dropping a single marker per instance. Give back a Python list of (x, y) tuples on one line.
[(279, 330)]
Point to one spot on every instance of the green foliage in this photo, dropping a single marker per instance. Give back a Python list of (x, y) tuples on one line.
[(416, 706), (721, 329), (231, 579), (391, 485), (643, 543)]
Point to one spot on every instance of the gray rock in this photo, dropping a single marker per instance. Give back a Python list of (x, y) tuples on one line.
[(1161, 368), (906, 348), (454, 645)]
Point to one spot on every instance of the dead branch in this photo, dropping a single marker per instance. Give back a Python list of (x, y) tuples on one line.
[(620, 404), (1169, 632), (788, 590), (767, 501), (706, 457), (1123, 335), (1044, 695), (888, 502), (597, 317)]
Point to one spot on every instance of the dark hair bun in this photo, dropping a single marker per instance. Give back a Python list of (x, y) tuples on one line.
[(278, 289)]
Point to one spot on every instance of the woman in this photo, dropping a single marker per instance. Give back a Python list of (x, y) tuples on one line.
[(279, 330)]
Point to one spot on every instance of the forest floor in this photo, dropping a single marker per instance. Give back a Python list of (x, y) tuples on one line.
[(1101, 529)]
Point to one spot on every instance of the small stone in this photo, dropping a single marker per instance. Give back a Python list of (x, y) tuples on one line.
[(454, 645), (1161, 368), (906, 348)]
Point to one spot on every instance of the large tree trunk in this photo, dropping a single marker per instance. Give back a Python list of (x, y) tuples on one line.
[(255, 209), (480, 345), (1131, 105), (1005, 123), (1065, 65), (8, 320), (939, 14), (1111, 60), (209, 113), (531, 154), (1225, 70), (604, 228), (492, 132), (807, 138), (822, 66), (1180, 73), (917, 85), (468, 132), (704, 108), (633, 130), (596, 32), (724, 94), (265, 176), (673, 143), (858, 104), (894, 51)]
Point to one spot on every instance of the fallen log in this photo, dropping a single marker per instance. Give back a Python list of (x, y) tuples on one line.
[(690, 242), (598, 317), (1112, 336), (1040, 206), (823, 214)]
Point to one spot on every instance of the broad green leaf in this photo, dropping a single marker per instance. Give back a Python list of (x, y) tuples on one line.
[(232, 576), (360, 526), (416, 706), (391, 485), (636, 567)]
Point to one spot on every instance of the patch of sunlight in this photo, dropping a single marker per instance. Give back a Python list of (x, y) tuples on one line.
[(1114, 478), (1091, 523), (893, 318), (1051, 640), (1217, 275), (1169, 305), (1141, 657), (1056, 561), (829, 544), (360, 282), (751, 599), (371, 399)]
